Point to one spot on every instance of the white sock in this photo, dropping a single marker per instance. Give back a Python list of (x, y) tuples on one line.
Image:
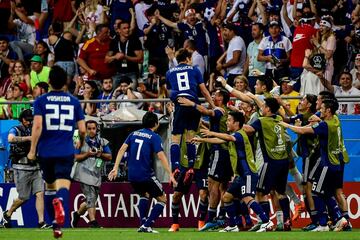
[(279, 218), (298, 178)]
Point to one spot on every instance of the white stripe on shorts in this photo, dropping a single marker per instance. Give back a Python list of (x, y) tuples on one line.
[(262, 174), (214, 163), (314, 168), (156, 181), (321, 180), (248, 183)]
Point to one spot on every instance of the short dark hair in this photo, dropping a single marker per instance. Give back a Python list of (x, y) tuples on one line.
[(273, 104), (346, 73), (182, 54), (150, 120), (125, 79), (57, 77), (43, 85), (123, 22), (91, 122), (260, 25), (311, 98), (27, 115), (99, 27), (225, 95), (267, 81), (191, 43), (332, 104), (4, 38), (238, 117), (327, 95)]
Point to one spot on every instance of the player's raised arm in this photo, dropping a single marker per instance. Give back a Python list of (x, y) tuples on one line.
[(164, 161), (35, 135), (206, 94), (82, 133)]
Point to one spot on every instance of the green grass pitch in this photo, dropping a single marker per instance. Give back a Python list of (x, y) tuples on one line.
[(184, 234)]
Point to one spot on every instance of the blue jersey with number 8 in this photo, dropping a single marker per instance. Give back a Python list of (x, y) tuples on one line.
[(142, 145), (183, 81), (60, 112)]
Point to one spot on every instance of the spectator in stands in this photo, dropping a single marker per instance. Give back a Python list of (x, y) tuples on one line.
[(18, 95), (302, 40), (39, 72), (126, 91), (125, 53), (40, 89), (91, 92), (43, 50), (235, 58), (120, 9), (6, 55), (241, 84), (325, 43), (157, 36), (25, 29), (92, 55), (62, 43), (196, 58), (355, 72), (20, 75), (275, 50), (252, 63), (94, 14), (287, 90), (106, 94), (345, 89), (191, 29)]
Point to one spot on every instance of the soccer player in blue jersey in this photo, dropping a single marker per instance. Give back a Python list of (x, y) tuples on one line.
[(184, 81), (56, 114), (141, 145), (245, 172), (327, 175)]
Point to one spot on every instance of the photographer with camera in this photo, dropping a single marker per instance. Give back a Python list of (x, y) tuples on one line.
[(87, 170), (27, 174)]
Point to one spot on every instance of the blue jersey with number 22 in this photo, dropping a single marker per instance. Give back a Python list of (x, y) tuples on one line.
[(60, 112), (142, 145), (183, 81)]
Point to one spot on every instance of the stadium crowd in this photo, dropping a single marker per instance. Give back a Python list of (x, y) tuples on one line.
[(257, 51)]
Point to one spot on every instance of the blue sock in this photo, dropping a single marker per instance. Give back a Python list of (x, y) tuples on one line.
[(63, 194), (155, 213), (222, 213), (212, 214), (314, 216), (345, 214), (175, 212), (203, 207), (333, 209), (143, 209), (191, 153), (259, 211), (49, 196), (285, 207), (175, 156), (245, 212), (266, 207), (321, 210), (237, 204), (231, 211)]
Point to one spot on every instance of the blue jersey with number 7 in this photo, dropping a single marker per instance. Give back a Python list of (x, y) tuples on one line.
[(183, 81), (142, 145), (60, 112)]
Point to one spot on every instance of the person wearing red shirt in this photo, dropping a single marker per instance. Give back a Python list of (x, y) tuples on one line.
[(93, 52), (302, 36)]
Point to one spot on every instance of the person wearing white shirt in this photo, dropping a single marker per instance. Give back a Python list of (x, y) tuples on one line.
[(345, 89), (235, 54)]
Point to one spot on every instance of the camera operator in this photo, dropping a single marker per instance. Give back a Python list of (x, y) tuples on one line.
[(87, 170), (27, 174)]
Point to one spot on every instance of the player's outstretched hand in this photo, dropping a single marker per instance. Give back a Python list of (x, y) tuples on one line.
[(113, 174), (284, 124), (205, 132), (221, 80), (31, 156), (185, 102), (196, 140), (189, 175), (175, 175)]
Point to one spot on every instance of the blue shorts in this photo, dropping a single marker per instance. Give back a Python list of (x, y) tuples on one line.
[(273, 176), (243, 186), (220, 166), (325, 181), (56, 168), (185, 118), (201, 178), (153, 187)]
